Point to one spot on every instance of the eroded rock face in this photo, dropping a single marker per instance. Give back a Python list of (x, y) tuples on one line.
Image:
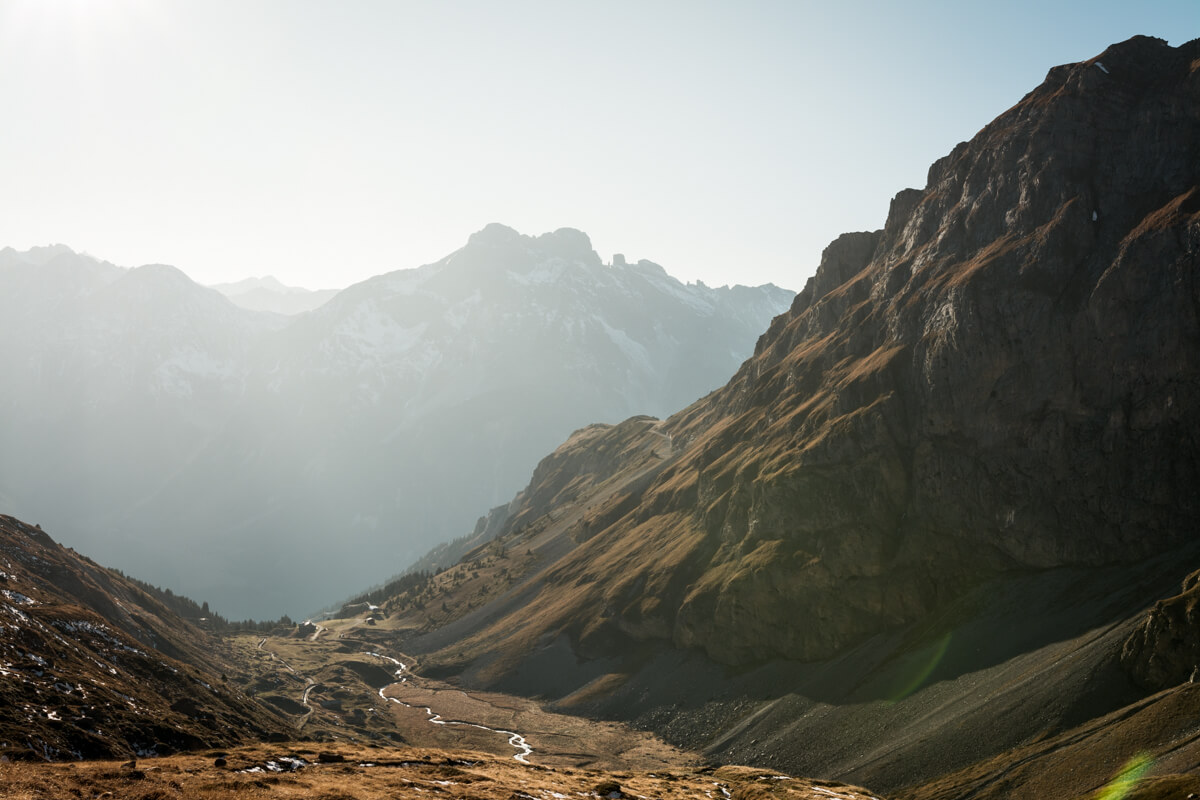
[(1010, 379), (1165, 649)]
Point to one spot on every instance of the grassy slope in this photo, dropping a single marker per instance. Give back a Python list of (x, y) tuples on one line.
[(375, 774)]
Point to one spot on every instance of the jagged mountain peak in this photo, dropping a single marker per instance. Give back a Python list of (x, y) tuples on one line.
[(568, 243), (1058, 169), (35, 255), (499, 247), (495, 233), (1064, 146), (57, 268)]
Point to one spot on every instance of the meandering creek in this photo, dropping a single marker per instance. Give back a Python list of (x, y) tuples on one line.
[(515, 739)]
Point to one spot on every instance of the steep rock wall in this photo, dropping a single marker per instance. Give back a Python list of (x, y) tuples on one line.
[(1008, 378)]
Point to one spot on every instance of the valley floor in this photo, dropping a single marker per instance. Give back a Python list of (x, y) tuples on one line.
[(335, 688)]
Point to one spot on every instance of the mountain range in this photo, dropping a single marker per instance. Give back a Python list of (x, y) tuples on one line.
[(268, 294), (277, 463), (935, 537), (941, 525)]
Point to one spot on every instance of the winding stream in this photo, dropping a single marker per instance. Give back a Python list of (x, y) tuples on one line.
[(514, 739)]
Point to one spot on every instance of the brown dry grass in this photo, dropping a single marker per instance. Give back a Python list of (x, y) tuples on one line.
[(377, 773)]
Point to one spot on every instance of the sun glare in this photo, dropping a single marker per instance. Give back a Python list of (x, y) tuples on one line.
[(1127, 779), (919, 673), (71, 22)]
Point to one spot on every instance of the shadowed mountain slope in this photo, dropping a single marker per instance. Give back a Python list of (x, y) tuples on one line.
[(93, 665)]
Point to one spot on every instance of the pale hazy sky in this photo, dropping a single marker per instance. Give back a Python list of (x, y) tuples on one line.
[(328, 142)]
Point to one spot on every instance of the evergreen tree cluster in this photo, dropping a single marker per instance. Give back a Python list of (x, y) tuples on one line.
[(201, 614), (396, 586)]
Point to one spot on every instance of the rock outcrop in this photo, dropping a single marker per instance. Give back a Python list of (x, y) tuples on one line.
[(1165, 649)]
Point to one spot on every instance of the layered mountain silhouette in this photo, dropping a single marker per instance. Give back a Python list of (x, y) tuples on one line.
[(268, 294), (274, 463), (920, 538)]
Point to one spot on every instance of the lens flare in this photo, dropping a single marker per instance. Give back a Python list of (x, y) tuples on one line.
[(924, 670), (1120, 786)]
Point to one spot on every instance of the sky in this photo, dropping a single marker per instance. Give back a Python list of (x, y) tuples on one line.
[(326, 142)]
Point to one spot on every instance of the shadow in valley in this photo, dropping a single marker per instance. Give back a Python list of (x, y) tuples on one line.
[(1023, 656)]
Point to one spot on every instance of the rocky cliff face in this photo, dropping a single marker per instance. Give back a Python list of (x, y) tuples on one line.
[(1006, 377), (1164, 651)]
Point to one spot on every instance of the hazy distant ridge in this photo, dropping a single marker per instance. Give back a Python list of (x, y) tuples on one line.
[(269, 294), (270, 464)]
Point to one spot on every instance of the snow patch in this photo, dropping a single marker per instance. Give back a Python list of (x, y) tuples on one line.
[(545, 273), (406, 282), (829, 793), (18, 613), (633, 351), (174, 376), (461, 312), (18, 598), (41, 662), (100, 631)]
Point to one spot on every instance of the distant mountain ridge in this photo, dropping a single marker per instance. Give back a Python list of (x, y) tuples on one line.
[(269, 294), (149, 416)]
